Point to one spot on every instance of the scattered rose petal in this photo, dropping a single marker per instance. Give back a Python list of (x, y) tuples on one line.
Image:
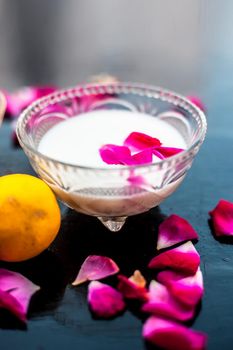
[(162, 303), (197, 101), (184, 258), (95, 267), (187, 289), (22, 98), (174, 230), (104, 300), (16, 292), (222, 218), (138, 141), (138, 279), (131, 290), (170, 335)]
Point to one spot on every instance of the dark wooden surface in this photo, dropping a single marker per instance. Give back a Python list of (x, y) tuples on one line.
[(59, 317)]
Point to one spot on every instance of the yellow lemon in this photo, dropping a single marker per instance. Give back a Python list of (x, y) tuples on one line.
[(29, 217)]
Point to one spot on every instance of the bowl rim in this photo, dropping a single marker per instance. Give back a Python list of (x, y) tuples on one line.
[(79, 90)]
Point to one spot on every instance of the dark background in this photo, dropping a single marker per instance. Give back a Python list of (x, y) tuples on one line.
[(184, 45)]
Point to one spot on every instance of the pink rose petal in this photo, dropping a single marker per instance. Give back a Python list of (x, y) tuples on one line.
[(22, 98), (184, 258), (131, 290), (170, 335), (104, 300), (16, 292), (168, 151), (8, 302), (95, 267), (222, 218), (112, 154), (143, 157), (138, 141), (197, 101), (174, 230), (187, 289), (162, 303)]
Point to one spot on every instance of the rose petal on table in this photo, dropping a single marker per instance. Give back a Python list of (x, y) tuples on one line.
[(197, 102), (170, 335), (173, 230), (167, 152), (138, 279), (184, 258), (131, 290), (162, 303), (22, 98), (104, 300), (16, 292), (222, 218), (95, 267), (138, 141), (113, 154), (187, 289)]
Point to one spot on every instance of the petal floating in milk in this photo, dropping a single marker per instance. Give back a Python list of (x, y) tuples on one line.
[(138, 141), (113, 154), (168, 151)]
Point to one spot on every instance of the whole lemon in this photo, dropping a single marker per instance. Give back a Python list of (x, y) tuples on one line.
[(29, 217)]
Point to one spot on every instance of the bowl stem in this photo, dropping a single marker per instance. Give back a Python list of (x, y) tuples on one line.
[(114, 224)]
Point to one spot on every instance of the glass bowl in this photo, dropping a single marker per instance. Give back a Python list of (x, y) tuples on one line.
[(112, 194)]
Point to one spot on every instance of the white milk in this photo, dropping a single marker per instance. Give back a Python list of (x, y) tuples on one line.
[(77, 140)]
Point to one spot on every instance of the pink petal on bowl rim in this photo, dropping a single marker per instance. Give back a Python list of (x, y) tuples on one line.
[(167, 152), (138, 279), (16, 292), (184, 258), (187, 289), (222, 218), (173, 230), (23, 97), (95, 267), (104, 300), (170, 335), (138, 141), (197, 102), (131, 290), (162, 303)]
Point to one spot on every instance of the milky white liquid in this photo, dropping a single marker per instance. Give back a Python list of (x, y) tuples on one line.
[(77, 141)]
